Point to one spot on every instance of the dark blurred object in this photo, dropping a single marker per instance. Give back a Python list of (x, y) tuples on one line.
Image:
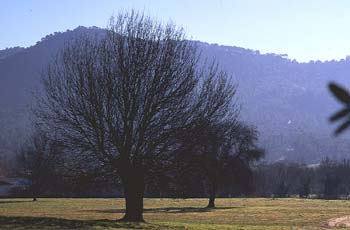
[(343, 96)]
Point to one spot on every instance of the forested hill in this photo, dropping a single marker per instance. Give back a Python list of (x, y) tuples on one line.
[(288, 101)]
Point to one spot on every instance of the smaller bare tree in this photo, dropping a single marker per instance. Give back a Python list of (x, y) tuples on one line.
[(221, 150)]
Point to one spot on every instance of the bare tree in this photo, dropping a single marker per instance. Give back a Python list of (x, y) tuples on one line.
[(207, 142), (36, 162), (222, 152), (123, 98), (218, 143)]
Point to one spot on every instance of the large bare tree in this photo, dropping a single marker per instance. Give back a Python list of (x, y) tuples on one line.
[(124, 97)]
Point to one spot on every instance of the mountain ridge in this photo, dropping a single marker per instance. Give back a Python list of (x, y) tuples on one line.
[(287, 100)]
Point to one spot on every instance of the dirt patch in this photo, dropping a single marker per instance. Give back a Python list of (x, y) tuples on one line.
[(342, 222)]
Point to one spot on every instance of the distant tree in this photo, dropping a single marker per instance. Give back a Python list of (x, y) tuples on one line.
[(121, 99), (284, 182), (36, 162), (279, 186), (330, 177), (343, 171), (331, 185), (306, 177)]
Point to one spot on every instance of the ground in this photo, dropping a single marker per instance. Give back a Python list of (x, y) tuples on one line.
[(237, 214)]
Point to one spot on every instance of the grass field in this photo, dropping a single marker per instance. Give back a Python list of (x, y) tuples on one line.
[(250, 214)]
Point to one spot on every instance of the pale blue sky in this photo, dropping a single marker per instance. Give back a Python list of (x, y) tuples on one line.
[(303, 29)]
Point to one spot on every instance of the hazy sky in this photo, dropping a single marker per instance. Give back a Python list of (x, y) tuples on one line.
[(303, 29)]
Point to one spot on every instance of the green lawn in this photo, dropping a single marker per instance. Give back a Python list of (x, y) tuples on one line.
[(266, 214)]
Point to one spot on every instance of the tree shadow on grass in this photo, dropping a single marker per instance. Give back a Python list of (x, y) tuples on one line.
[(14, 201), (164, 210), (38, 223)]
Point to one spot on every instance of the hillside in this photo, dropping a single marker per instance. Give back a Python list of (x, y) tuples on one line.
[(288, 101)]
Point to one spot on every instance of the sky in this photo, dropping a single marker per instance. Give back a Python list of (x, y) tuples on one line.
[(303, 29)]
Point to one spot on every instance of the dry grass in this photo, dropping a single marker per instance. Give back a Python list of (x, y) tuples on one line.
[(249, 214)]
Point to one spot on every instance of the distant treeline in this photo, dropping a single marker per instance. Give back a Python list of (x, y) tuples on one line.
[(327, 180)]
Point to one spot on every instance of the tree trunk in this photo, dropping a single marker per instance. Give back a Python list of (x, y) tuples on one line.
[(34, 192), (211, 203), (133, 181), (212, 196), (133, 203)]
